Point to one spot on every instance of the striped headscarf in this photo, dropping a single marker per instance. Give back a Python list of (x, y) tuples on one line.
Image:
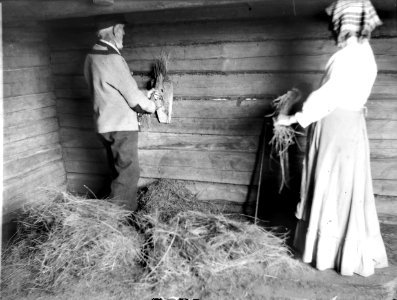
[(354, 16)]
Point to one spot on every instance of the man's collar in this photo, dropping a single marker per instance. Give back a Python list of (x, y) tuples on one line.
[(111, 45)]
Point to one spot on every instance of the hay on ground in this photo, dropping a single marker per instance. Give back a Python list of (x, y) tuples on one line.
[(63, 237), (165, 198), (180, 243), (205, 245)]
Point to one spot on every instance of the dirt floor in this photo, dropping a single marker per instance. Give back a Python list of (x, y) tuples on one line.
[(314, 284)]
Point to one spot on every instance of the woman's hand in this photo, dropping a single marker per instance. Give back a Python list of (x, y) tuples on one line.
[(284, 120)]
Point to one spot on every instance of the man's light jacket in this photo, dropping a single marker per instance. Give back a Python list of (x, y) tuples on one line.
[(114, 91)]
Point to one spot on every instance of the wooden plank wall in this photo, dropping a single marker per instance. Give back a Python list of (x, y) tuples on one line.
[(32, 152), (227, 64)]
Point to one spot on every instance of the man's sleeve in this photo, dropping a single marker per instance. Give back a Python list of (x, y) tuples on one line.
[(121, 79)]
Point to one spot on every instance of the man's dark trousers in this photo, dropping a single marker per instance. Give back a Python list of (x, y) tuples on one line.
[(123, 146)]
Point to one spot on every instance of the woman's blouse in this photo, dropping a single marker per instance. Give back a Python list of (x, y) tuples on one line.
[(349, 76)]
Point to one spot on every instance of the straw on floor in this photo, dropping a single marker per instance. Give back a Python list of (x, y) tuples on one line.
[(62, 237), (176, 243), (205, 245)]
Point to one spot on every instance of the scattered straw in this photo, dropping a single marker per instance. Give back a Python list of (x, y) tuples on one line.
[(203, 245), (166, 198), (64, 237), (176, 245)]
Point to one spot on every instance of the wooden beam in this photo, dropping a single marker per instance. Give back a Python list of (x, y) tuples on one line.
[(46, 10)]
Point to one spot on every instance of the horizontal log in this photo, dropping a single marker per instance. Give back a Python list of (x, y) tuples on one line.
[(248, 127), (35, 160), (377, 108), (23, 47), (76, 138), (155, 140), (95, 162), (384, 169), (187, 173), (28, 102), (27, 81), (171, 141), (29, 116), (377, 129), (259, 85), (160, 172), (187, 108), (383, 148), (217, 31), (171, 172), (385, 187), (384, 151), (18, 190), (23, 148), (23, 54), (72, 121), (226, 192), (244, 126), (24, 31), (44, 10), (33, 179), (382, 109), (78, 107), (203, 191), (382, 129), (257, 10), (290, 55), (386, 205), (217, 160), (22, 132)]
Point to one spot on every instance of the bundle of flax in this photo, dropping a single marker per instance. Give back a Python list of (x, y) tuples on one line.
[(284, 136), (163, 84), (64, 237)]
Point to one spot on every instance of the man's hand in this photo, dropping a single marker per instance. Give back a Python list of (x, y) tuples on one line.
[(284, 120), (155, 96)]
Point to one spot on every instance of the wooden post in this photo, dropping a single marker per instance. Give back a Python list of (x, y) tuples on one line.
[(262, 158), (1, 128)]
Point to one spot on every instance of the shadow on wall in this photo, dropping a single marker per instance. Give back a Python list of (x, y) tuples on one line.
[(277, 207)]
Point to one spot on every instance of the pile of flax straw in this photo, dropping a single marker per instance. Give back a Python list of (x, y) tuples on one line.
[(174, 238)]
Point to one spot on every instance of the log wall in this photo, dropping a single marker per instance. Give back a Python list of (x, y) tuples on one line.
[(32, 152), (227, 65)]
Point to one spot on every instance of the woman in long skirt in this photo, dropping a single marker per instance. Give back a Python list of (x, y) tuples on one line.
[(338, 225)]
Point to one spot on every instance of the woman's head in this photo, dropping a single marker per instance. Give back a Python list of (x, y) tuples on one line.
[(350, 18)]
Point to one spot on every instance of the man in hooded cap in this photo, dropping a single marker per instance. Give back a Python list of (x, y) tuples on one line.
[(117, 101)]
